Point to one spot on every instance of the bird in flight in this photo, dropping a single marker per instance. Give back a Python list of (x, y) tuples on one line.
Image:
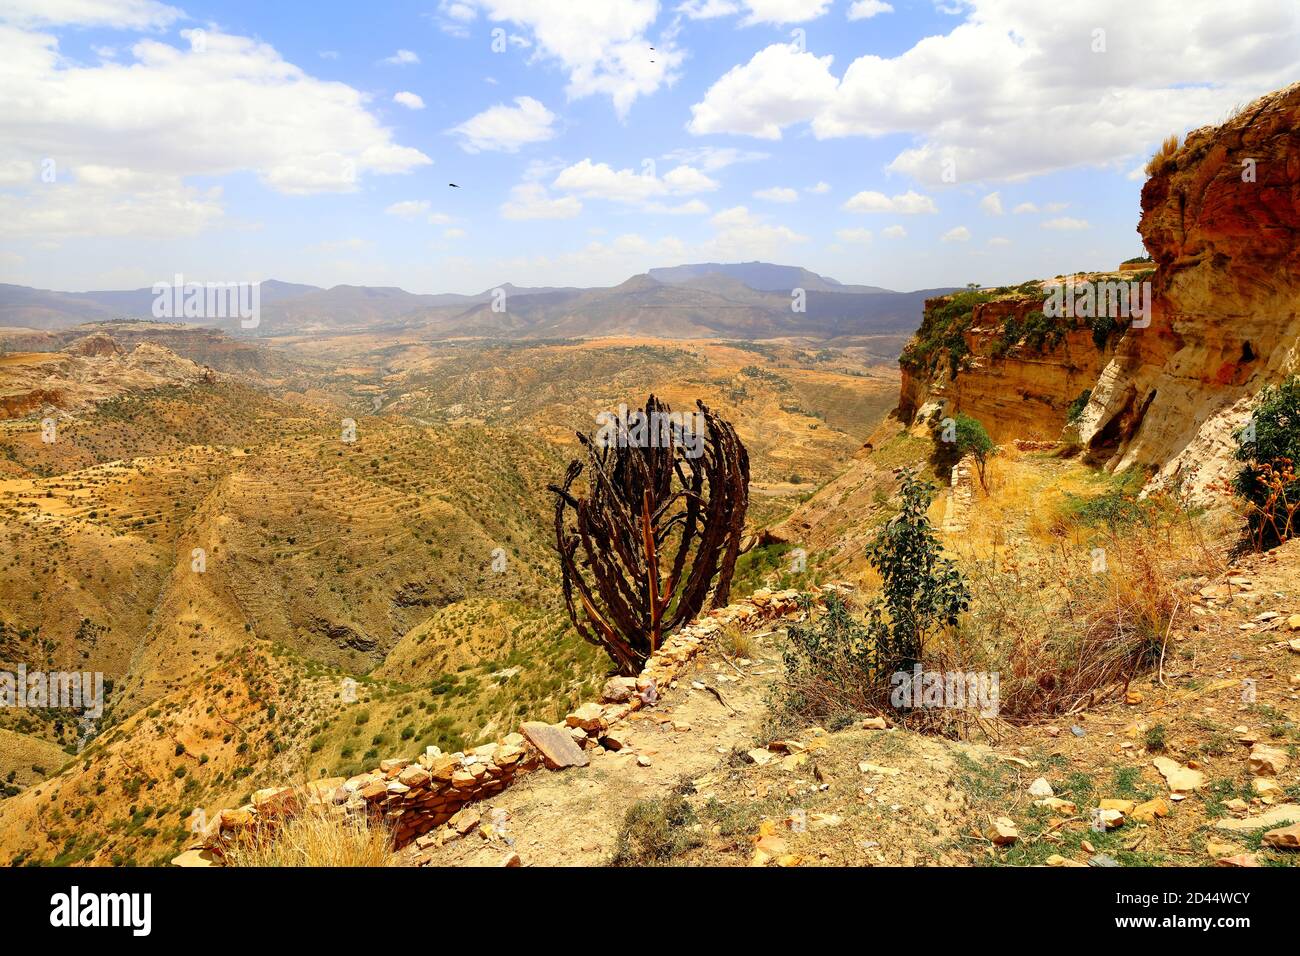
[(453, 186)]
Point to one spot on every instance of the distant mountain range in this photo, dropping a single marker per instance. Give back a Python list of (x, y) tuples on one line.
[(742, 300)]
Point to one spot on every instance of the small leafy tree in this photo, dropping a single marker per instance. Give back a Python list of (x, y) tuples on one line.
[(921, 591), (962, 436), (837, 664), (1269, 446)]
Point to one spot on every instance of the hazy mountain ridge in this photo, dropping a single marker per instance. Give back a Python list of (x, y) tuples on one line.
[(747, 300)]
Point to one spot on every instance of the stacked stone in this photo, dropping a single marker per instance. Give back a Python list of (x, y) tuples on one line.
[(415, 796)]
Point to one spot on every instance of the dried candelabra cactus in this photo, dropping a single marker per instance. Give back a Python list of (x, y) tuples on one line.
[(660, 521)]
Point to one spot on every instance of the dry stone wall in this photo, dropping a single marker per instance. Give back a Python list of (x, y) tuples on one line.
[(413, 796)]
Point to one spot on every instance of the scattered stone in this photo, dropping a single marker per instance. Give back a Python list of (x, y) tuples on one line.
[(1219, 850), (1078, 731), (760, 756), (1109, 818), (557, 748), (1241, 859), (1058, 805), (1002, 832), (1285, 838), (1041, 788), (1267, 761), (1179, 778), (642, 760), (588, 717), (875, 723), (1278, 816), (1149, 812), (619, 690), (1057, 860), (1123, 806), (511, 859), (1101, 859)]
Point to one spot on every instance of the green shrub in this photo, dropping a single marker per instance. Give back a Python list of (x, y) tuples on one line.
[(1269, 447)]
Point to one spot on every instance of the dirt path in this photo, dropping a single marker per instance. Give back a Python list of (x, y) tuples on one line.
[(572, 817)]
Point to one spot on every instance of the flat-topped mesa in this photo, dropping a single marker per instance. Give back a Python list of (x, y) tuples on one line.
[(1164, 391), (414, 796)]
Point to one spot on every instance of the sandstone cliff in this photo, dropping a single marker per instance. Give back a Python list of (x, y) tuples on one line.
[(1221, 219)]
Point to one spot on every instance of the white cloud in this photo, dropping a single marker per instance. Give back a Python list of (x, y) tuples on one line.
[(453, 234), (780, 12), (819, 189), (533, 201), (504, 128), (601, 181), (692, 207), (894, 232), (776, 12), (114, 14), (1066, 224), (866, 9), (777, 194), (992, 204), (402, 58), (853, 235), (409, 208), (602, 44), (956, 234), (128, 135), (743, 235), (1025, 207), (412, 101), (909, 203), (1051, 104), (84, 210), (708, 9), (711, 158), (999, 241), (780, 85)]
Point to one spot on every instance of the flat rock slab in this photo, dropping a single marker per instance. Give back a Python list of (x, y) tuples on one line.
[(555, 743), (1278, 816)]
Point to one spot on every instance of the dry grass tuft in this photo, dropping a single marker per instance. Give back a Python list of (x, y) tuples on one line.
[(315, 838), (1163, 160)]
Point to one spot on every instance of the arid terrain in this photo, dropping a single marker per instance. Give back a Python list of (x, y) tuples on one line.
[(321, 560)]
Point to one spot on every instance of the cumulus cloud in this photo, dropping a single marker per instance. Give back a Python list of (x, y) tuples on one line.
[(409, 208), (602, 44), (412, 101), (1066, 224), (909, 203), (866, 9), (819, 189), (777, 194), (956, 234), (504, 128), (601, 181), (894, 232), (126, 135), (402, 58), (111, 14), (534, 201), (1062, 95), (780, 85), (1025, 207), (711, 158), (744, 235), (992, 204)]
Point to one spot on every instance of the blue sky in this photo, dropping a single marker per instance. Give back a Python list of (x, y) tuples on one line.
[(906, 144)]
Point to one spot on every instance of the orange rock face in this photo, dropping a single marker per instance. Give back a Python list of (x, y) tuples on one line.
[(1221, 219), (1222, 222)]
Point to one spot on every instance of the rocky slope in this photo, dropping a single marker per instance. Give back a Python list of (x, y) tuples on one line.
[(1220, 217)]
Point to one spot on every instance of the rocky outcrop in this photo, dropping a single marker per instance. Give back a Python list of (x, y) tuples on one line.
[(1221, 219), (1023, 390)]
